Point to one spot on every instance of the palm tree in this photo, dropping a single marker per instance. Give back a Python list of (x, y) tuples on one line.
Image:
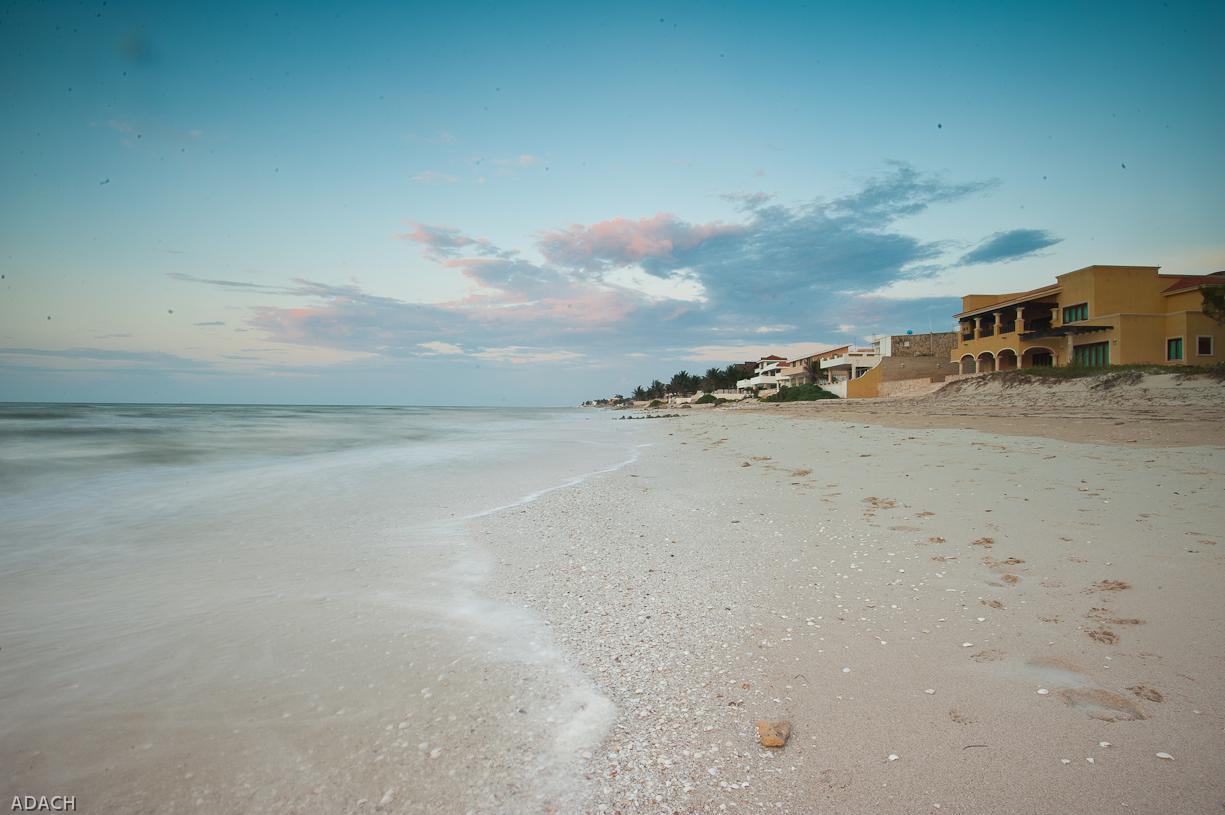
[(657, 390), (712, 380), (640, 394), (812, 370)]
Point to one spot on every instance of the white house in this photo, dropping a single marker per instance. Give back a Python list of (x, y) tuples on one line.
[(765, 377)]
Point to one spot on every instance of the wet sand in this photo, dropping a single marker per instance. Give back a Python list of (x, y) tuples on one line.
[(1021, 623)]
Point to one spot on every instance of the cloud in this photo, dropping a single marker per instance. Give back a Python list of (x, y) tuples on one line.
[(621, 286), (112, 336), (438, 347), (657, 243), (94, 358), (743, 353), (518, 355), (210, 322), (432, 177), (230, 284), (443, 242), (748, 201), (1003, 247)]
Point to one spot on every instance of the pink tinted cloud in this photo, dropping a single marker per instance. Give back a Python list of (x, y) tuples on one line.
[(515, 291), (439, 241), (623, 242)]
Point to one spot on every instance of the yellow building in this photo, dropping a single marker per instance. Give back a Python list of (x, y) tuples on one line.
[(1096, 316)]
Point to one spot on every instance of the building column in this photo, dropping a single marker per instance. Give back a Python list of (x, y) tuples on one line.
[(978, 328), (1071, 356), (1020, 325), (997, 324)]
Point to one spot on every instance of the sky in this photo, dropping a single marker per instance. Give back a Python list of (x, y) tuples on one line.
[(536, 203)]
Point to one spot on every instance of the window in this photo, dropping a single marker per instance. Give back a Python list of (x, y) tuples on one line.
[(1079, 311), (1173, 349), (1203, 346), (1094, 355)]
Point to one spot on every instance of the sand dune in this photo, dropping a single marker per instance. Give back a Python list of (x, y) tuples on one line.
[(1161, 409)]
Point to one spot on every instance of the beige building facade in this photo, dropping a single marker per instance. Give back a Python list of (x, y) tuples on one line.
[(1095, 316)]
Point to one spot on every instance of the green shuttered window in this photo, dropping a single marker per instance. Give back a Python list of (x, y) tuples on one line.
[(1173, 349), (1095, 355), (1077, 312)]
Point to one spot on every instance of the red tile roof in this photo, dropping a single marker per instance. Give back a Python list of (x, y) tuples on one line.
[(1194, 281)]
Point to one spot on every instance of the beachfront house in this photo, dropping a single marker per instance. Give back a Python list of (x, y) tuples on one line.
[(796, 371), (891, 364), (1095, 316), (765, 376)]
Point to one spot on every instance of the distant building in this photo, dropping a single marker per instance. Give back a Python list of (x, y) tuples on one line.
[(765, 375), (1095, 316)]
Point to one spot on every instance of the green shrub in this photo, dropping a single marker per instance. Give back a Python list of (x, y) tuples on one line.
[(800, 393), (655, 403), (706, 399)]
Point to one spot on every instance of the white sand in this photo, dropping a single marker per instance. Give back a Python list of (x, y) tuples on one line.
[(701, 594)]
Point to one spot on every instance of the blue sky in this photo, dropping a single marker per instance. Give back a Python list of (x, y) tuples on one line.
[(539, 203)]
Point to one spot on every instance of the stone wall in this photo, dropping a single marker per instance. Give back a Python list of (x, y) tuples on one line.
[(939, 344)]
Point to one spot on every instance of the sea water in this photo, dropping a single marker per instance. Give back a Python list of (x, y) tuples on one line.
[(271, 608)]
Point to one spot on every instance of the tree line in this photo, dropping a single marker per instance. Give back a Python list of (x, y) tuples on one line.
[(684, 383)]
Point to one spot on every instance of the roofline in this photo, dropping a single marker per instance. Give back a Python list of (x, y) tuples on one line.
[(1014, 299), (817, 354), (1193, 286)]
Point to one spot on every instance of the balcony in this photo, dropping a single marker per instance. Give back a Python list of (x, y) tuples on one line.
[(767, 380), (858, 359)]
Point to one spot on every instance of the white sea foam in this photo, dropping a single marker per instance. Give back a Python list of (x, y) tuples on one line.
[(264, 596)]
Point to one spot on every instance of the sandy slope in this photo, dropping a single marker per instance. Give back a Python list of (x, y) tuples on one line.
[(752, 565), (1165, 409)]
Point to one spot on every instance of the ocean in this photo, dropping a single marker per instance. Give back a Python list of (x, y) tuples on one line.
[(231, 608)]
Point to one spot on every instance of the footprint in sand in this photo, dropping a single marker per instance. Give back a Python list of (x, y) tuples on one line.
[(1105, 615), (1104, 636), (1145, 692), (1109, 585)]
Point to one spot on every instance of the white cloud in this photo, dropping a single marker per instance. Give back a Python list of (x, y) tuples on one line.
[(519, 355), (743, 353), (439, 347)]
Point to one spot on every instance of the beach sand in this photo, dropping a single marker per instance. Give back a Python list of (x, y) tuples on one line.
[(952, 620)]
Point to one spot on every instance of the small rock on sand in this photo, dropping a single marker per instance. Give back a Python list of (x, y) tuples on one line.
[(773, 734)]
